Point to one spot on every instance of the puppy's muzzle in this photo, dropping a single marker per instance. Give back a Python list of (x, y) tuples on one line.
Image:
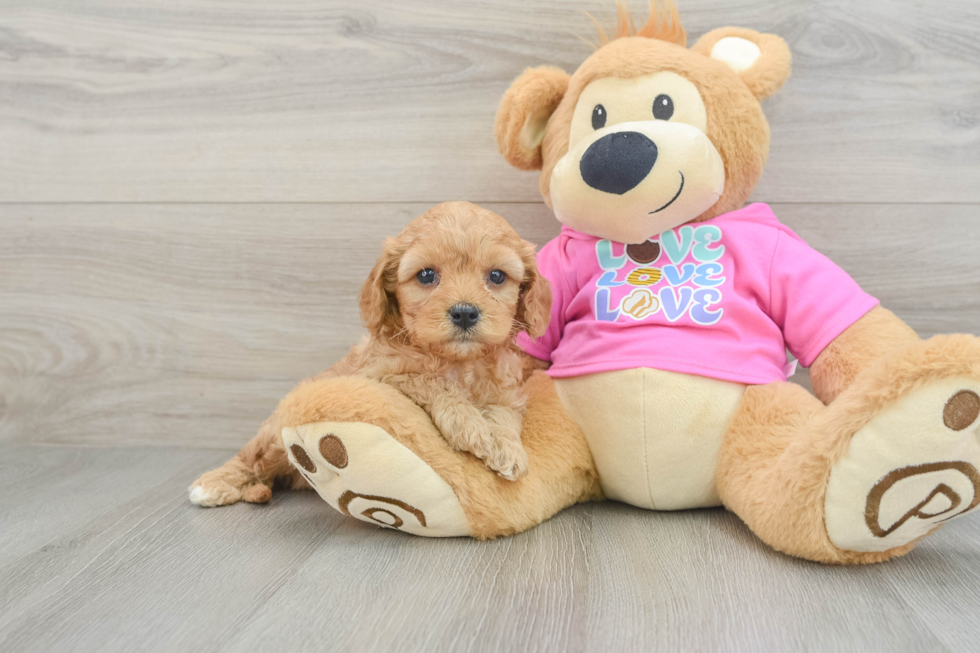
[(618, 162), (465, 316)]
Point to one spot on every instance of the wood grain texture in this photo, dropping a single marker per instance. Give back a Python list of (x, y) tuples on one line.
[(139, 568), (354, 100), (167, 324)]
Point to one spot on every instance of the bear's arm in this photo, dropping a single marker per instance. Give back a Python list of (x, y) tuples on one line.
[(873, 336), (828, 322)]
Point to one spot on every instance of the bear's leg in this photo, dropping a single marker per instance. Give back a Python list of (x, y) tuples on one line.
[(374, 455), (891, 459)]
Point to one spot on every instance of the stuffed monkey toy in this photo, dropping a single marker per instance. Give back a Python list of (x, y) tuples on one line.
[(674, 304)]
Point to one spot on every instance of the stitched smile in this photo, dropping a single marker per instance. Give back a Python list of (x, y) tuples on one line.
[(673, 198)]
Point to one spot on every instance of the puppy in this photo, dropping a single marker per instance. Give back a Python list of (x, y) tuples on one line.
[(442, 307)]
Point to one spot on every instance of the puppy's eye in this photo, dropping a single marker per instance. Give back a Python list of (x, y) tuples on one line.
[(663, 107), (599, 117), (426, 276), (497, 277)]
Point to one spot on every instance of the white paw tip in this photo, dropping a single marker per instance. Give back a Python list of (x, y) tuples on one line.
[(199, 497)]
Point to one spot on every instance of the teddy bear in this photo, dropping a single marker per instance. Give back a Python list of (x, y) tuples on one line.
[(673, 307)]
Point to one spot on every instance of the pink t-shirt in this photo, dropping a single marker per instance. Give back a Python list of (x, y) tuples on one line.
[(722, 298)]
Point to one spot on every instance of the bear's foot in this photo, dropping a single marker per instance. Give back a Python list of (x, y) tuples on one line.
[(915, 464), (373, 454), (362, 471)]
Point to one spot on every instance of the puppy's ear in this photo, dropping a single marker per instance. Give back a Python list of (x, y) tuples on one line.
[(763, 61), (379, 306), (534, 306), (524, 112)]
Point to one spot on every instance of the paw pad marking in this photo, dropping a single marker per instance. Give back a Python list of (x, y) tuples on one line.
[(333, 451), (303, 458), (396, 521), (912, 467), (873, 507), (348, 497), (359, 467), (961, 410)]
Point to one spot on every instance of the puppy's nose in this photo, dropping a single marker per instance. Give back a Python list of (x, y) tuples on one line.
[(464, 315), (618, 162)]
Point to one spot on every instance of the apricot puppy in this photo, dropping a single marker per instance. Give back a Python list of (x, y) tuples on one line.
[(443, 305)]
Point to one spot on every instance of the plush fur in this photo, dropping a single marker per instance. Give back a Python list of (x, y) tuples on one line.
[(663, 24), (870, 339), (776, 461), (736, 124), (769, 72), (524, 114)]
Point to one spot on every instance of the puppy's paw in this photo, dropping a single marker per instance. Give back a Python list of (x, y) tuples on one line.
[(218, 488), (509, 460), (465, 428), (214, 493)]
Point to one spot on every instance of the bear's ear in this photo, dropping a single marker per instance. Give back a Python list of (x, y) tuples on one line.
[(524, 112), (763, 61)]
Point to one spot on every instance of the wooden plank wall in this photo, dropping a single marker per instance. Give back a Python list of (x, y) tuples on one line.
[(192, 192)]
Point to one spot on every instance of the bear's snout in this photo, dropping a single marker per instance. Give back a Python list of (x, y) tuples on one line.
[(618, 162)]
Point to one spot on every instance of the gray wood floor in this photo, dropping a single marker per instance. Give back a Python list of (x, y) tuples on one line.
[(190, 196)]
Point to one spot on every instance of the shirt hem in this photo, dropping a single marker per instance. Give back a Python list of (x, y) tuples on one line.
[(616, 365)]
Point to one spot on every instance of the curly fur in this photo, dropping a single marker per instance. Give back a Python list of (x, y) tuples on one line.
[(470, 382)]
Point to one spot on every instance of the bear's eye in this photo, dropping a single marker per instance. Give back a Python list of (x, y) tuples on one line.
[(497, 277), (598, 117), (663, 107), (426, 276)]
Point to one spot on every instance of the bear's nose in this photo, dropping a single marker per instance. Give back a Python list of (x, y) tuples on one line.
[(618, 162), (464, 315)]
